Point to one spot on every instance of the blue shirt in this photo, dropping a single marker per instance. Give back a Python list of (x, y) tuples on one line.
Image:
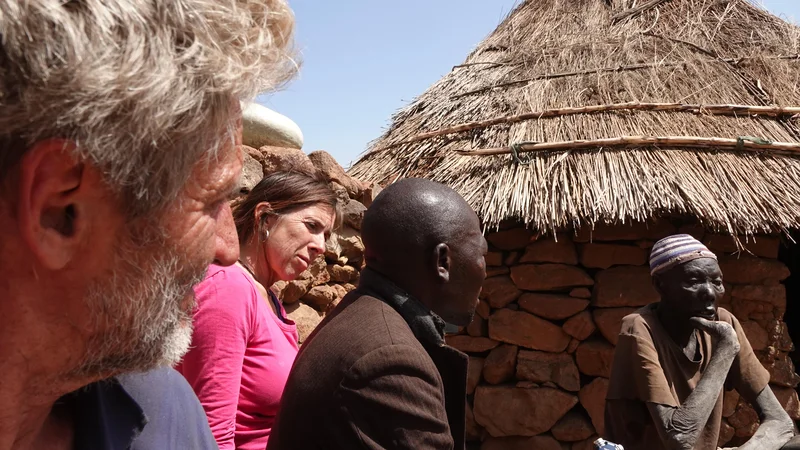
[(147, 411)]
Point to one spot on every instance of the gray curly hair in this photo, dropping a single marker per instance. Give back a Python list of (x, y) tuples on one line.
[(146, 88)]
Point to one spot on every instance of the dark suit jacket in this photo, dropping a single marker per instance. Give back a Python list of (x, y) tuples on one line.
[(376, 374)]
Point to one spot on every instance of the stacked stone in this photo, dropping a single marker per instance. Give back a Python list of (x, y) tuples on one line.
[(320, 288), (542, 342)]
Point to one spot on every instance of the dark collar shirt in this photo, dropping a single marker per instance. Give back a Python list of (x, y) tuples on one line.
[(145, 411)]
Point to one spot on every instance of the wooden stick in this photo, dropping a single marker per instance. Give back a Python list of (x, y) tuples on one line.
[(633, 11), (727, 110), (551, 76), (694, 142)]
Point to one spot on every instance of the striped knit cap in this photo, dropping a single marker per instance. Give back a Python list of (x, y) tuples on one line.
[(675, 250)]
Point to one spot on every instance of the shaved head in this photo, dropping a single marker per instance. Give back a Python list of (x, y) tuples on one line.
[(424, 237)]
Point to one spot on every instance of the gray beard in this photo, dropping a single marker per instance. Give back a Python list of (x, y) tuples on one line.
[(140, 317)]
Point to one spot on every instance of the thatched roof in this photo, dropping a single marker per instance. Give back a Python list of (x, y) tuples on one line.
[(694, 102)]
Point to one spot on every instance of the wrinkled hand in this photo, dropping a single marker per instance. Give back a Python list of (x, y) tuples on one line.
[(721, 333)]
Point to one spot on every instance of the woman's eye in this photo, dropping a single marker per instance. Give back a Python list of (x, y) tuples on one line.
[(313, 226)]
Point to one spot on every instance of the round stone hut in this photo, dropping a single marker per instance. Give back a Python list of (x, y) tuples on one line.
[(581, 131)]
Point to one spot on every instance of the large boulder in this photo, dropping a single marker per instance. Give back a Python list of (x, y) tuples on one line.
[(549, 277), (263, 126), (574, 426), (580, 326), (275, 159), (513, 411), (541, 367), (252, 173), (593, 400), (603, 256), (526, 330), (609, 321), (306, 318), (499, 291), (499, 365), (750, 270), (595, 358), (326, 164), (550, 250), (624, 286), (553, 307)]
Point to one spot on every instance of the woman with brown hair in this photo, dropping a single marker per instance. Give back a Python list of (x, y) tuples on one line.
[(243, 345)]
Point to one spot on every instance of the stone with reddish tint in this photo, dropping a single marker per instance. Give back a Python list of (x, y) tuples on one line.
[(342, 274), (275, 159), (729, 401), (595, 357), (512, 239), (774, 294), (327, 165), (751, 270), (624, 286), (294, 290), (593, 400), (469, 344), (527, 330), (353, 214), (781, 371), (743, 417), (473, 430), (580, 293), (603, 256), (548, 250), (305, 317), (371, 191), (474, 369), (483, 309), (573, 345), (542, 442), (541, 367), (756, 335), (320, 296), (512, 411), (789, 400), (497, 271), (652, 230), (499, 365), (726, 433), (493, 259), (574, 426), (549, 277), (499, 291), (478, 327), (580, 326), (609, 321), (553, 307)]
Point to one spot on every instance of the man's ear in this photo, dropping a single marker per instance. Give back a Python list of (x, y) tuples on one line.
[(442, 262), (52, 197), (657, 284)]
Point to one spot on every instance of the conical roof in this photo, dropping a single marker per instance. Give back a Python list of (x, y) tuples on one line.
[(689, 107)]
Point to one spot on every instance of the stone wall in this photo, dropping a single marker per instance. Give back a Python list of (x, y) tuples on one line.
[(333, 275), (542, 342)]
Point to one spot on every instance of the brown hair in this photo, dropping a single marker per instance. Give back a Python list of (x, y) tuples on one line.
[(285, 192)]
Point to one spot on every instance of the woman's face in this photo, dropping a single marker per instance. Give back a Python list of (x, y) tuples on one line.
[(296, 239)]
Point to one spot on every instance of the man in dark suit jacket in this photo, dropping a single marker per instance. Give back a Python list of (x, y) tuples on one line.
[(376, 373)]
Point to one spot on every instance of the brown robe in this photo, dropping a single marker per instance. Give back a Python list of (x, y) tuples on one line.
[(650, 367)]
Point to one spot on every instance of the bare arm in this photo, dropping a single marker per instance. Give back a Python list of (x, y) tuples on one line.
[(776, 427), (680, 427)]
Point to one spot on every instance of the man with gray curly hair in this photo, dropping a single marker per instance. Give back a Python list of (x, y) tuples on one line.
[(119, 148)]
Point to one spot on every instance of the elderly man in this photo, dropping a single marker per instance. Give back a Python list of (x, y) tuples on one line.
[(675, 357), (118, 151), (376, 374)]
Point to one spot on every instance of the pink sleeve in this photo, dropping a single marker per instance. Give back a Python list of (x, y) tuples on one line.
[(213, 367)]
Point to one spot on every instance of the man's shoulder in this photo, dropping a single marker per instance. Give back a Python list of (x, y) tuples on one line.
[(174, 414), (639, 322)]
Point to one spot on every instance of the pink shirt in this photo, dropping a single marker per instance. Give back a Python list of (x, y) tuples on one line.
[(240, 358)]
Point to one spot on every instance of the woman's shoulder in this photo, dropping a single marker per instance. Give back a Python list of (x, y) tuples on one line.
[(228, 283)]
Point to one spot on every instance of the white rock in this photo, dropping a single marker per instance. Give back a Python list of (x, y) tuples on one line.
[(262, 126)]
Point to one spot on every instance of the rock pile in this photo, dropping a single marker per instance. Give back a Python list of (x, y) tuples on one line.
[(542, 343), (333, 275)]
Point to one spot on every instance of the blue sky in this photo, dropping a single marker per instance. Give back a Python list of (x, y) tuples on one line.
[(365, 59)]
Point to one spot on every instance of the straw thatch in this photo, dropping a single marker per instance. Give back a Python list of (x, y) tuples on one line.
[(689, 107)]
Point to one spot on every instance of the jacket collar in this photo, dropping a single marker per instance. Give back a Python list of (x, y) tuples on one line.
[(427, 327)]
